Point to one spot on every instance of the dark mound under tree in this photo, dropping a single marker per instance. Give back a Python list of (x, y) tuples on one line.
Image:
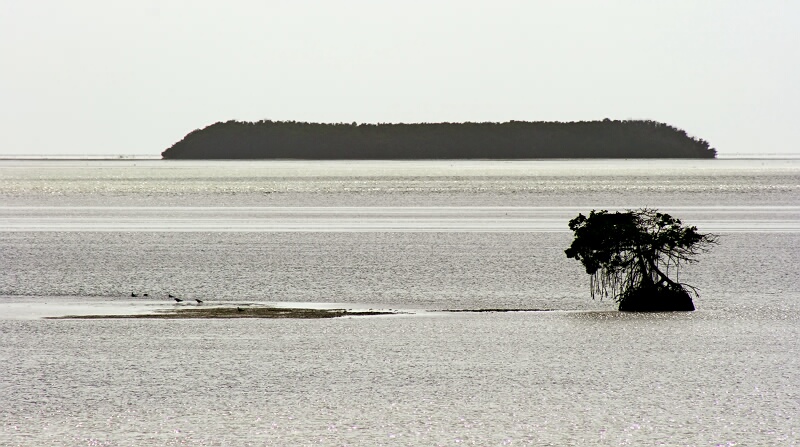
[(630, 256), (510, 140)]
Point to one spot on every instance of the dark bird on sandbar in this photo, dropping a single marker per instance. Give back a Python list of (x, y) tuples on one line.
[(240, 309), (145, 294), (177, 300), (133, 295), (199, 301)]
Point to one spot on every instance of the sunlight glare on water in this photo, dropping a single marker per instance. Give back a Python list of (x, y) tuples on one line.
[(420, 237)]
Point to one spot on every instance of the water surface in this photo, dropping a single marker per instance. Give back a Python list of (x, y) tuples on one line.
[(415, 236)]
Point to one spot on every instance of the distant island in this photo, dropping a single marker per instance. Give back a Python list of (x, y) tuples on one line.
[(509, 140)]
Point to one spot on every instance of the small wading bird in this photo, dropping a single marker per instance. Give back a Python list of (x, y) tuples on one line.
[(199, 301), (177, 300)]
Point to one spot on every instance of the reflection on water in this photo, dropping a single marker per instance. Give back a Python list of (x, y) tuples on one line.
[(415, 235), (442, 270), (483, 379), (367, 219), (590, 183)]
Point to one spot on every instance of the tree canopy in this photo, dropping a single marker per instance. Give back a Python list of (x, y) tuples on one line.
[(630, 256), (509, 140)]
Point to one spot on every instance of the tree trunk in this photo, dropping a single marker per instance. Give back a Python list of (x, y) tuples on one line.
[(663, 295)]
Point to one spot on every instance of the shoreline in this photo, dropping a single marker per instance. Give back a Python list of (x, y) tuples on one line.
[(233, 311), (83, 308)]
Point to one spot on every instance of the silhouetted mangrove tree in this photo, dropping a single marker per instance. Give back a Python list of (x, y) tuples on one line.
[(511, 140), (630, 256)]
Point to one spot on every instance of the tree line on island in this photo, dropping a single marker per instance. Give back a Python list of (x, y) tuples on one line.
[(510, 140)]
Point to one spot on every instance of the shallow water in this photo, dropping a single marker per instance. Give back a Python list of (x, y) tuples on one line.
[(77, 236), (483, 379)]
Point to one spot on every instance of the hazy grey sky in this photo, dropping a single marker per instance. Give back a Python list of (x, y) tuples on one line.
[(133, 77)]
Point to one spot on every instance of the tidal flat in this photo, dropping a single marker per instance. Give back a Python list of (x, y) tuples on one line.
[(237, 312)]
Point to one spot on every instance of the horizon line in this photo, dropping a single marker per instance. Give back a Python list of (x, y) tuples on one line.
[(158, 156)]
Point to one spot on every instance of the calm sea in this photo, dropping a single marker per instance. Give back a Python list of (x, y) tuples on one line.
[(79, 236)]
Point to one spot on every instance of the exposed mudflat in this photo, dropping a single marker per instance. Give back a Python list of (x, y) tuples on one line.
[(238, 312)]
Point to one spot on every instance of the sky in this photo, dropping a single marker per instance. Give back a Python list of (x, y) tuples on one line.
[(120, 77)]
